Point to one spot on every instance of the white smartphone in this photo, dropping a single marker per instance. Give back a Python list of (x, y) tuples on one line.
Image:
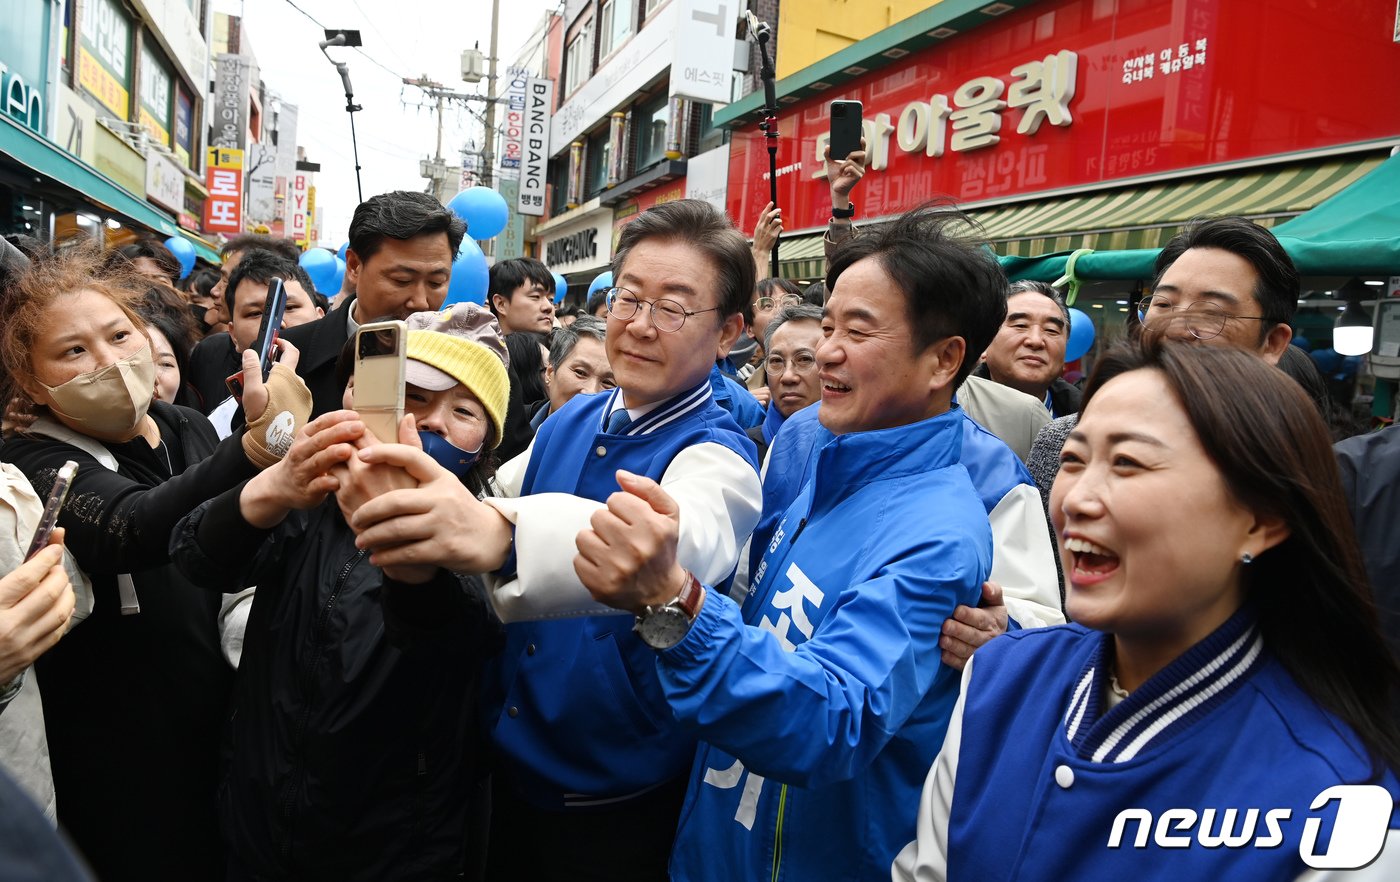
[(381, 355)]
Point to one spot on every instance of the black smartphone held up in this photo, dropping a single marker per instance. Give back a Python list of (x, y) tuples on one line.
[(265, 345), (845, 128), (381, 357), (55, 502)]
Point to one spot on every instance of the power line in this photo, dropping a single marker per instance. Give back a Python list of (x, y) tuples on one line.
[(371, 59)]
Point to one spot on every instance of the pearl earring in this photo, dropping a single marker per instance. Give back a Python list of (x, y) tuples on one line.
[(1246, 558)]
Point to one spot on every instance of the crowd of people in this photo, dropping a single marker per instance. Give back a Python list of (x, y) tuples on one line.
[(715, 578)]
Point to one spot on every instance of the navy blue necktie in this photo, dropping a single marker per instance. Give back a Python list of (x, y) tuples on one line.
[(619, 421)]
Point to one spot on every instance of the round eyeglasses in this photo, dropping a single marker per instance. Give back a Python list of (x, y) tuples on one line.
[(768, 304), (666, 315), (802, 362), (1203, 318)]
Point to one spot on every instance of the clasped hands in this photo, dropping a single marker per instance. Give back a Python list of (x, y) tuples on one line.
[(412, 515)]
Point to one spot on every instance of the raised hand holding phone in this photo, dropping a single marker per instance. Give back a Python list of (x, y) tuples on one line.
[(381, 359), (265, 344)]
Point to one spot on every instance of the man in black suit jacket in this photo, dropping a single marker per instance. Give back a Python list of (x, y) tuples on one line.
[(399, 262)]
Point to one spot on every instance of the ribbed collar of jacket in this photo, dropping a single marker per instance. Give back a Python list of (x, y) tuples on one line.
[(901, 451), (692, 400), (1169, 702)]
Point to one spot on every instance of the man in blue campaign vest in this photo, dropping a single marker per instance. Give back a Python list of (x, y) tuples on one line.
[(820, 703), (591, 764)]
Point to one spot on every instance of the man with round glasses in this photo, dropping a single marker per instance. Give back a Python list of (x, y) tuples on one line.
[(589, 758), (790, 362), (1225, 281)]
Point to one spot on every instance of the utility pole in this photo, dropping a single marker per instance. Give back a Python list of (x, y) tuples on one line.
[(488, 156), (435, 169)]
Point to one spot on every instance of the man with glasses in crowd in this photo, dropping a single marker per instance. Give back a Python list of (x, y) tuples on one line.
[(1225, 281), (590, 763), (790, 345)]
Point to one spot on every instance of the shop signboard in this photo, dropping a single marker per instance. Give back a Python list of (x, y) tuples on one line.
[(1059, 97), (511, 242), (583, 244), (104, 55), (118, 160), (229, 114), (165, 183), (703, 50), (534, 168), (155, 95), (298, 186), (184, 125), (707, 176), (223, 178), (77, 125), (24, 42)]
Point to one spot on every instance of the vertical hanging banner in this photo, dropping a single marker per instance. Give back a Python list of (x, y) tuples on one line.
[(513, 129), (534, 151), (703, 58), (298, 191), (223, 177)]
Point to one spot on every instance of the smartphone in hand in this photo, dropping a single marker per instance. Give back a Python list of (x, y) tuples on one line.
[(57, 495), (381, 359), (265, 344), (845, 128)]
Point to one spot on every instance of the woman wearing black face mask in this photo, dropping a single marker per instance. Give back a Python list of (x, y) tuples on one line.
[(133, 698), (355, 743)]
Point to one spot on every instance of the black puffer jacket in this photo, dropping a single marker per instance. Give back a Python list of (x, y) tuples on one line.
[(352, 745)]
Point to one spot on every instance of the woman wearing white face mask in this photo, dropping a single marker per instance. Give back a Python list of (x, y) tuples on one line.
[(133, 699)]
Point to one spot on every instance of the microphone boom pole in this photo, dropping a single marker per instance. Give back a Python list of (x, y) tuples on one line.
[(347, 38), (769, 124)]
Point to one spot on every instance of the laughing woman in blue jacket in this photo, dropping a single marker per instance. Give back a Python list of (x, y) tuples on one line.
[(1221, 708)]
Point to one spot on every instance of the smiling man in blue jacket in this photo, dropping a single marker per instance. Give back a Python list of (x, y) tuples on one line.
[(820, 702)]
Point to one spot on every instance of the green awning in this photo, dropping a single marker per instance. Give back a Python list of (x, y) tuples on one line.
[(1353, 228), (45, 158), (802, 257), (1146, 217)]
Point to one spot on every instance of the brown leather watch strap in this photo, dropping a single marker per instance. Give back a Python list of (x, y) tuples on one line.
[(691, 596)]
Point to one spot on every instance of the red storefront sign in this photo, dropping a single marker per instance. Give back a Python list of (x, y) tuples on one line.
[(223, 178), (1061, 95)]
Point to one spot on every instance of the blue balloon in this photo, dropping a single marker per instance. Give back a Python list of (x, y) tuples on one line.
[(320, 265), (470, 276), (604, 280), (340, 252), (483, 209), (1081, 335), (561, 287), (183, 251), (338, 279)]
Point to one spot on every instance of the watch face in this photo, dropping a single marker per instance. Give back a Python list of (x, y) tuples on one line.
[(663, 628)]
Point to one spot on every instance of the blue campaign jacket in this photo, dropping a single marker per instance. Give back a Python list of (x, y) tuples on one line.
[(994, 468), (731, 395), (835, 690), (1043, 772), (591, 724)]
